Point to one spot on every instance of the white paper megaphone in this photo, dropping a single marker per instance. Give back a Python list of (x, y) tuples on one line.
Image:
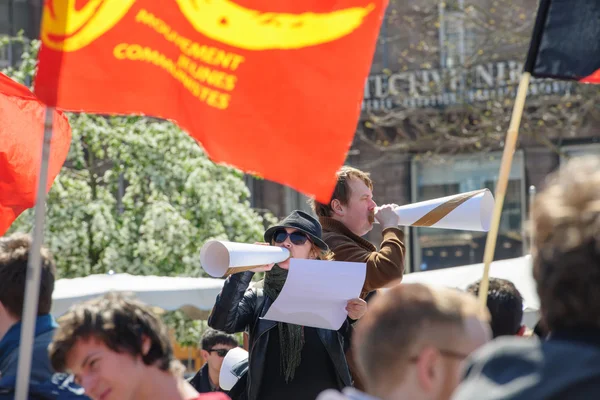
[(220, 258), (469, 211), (235, 365)]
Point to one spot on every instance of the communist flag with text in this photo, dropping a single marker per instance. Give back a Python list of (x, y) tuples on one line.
[(21, 136), (273, 88), (566, 41)]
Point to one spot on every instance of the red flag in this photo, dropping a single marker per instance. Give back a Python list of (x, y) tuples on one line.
[(21, 137), (273, 88)]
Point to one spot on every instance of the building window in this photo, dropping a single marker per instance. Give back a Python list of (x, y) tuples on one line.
[(580, 150), (456, 33), (15, 16), (442, 248)]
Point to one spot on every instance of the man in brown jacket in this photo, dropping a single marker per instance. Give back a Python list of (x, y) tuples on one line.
[(349, 216)]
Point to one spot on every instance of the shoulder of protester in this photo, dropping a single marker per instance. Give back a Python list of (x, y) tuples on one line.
[(515, 368), (60, 387)]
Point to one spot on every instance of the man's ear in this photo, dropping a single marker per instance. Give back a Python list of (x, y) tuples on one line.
[(428, 369), (337, 207), (204, 354)]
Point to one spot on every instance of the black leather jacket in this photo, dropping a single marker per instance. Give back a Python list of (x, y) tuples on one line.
[(201, 381), (238, 308)]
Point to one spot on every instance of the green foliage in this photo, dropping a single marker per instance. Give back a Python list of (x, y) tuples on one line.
[(138, 195)]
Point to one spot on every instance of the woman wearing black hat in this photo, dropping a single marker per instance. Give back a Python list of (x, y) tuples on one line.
[(286, 361)]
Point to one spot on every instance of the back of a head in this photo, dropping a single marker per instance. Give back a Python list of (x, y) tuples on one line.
[(566, 247), (121, 323), (341, 191), (14, 257), (505, 304), (404, 317)]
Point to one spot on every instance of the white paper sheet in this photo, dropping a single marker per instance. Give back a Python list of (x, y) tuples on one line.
[(316, 292)]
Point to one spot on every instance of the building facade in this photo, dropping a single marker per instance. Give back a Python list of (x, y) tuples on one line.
[(455, 66), (18, 16), (436, 106)]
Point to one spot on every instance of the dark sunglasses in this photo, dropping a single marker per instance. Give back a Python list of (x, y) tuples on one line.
[(220, 352), (298, 238)]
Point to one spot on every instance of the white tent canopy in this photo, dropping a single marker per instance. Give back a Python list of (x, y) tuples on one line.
[(517, 270), (195, 296)]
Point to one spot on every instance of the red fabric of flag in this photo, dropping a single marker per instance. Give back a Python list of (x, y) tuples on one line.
[(273, 88), (21, 136)]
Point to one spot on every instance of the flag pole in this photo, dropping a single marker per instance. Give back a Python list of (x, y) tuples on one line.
[(32, 286), (510, 145)]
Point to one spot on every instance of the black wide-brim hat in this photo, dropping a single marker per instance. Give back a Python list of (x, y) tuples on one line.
[(303, 222)]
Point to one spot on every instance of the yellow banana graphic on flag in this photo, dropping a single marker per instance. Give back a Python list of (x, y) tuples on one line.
[(67, 28), (244, 28)]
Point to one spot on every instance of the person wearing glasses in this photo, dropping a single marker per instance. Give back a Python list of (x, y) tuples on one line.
[(412, 343), (346, 219), (214, 346), (286, 361)]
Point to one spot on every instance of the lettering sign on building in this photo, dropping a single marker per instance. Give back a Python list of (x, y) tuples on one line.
[(452, 86)]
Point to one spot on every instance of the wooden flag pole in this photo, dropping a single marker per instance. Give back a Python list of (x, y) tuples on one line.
[(32, 286), (510, 145)]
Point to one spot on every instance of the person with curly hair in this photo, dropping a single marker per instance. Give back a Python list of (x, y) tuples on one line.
[(117, 348), (566, 268)]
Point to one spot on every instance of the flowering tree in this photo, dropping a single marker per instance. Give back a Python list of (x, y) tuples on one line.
[(138, 195)]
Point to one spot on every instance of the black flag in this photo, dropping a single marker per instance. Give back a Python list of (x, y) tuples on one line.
[(566, 41)]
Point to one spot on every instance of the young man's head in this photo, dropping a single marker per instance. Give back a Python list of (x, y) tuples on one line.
[(414, 338), (566, 246), (14, 256), (109, 344), (352, 201), (214, 347), (505, 304)]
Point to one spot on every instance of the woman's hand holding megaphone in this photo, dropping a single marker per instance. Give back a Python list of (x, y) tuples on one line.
[(386, 216), (266, 267)]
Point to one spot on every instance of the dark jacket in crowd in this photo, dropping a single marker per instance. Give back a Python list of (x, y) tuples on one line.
[(566, 366), (44, 383), (201, 381), (238, 308)]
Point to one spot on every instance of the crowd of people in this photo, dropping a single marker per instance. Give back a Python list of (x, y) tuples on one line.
[(399, 341)]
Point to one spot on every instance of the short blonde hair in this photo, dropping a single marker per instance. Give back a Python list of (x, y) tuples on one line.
[(566, 245), (403, 317)]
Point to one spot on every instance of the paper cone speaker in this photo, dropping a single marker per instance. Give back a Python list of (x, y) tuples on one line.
[(219, 258), (469, 211), (235, 365)]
